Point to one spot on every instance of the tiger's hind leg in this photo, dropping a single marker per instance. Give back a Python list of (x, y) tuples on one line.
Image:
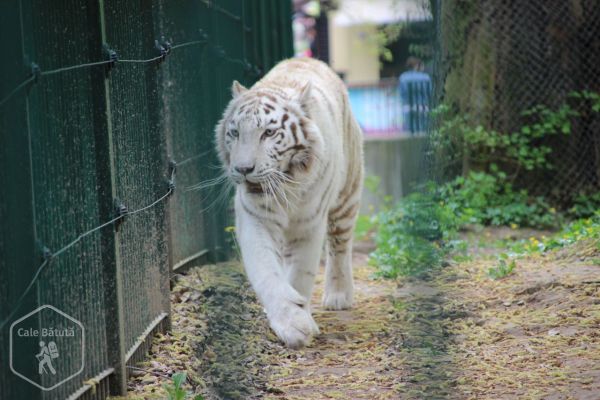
[(339, 287)]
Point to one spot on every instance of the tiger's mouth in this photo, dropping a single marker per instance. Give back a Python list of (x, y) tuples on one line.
[(254, 187)]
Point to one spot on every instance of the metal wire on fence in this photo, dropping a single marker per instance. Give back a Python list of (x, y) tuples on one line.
[(164, 49)]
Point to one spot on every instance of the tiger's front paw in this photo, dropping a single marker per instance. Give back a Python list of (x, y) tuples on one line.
[(338, 299), (293, 323)]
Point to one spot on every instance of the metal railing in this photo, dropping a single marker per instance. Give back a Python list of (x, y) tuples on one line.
[(389, 109)]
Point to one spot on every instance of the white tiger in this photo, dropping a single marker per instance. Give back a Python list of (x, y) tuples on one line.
[(294, 150)]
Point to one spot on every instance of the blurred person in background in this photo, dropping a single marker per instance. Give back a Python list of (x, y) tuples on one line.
[(304, 26), (415, 94)]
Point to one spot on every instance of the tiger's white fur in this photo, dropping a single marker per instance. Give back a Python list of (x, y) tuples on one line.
[(294, 150)]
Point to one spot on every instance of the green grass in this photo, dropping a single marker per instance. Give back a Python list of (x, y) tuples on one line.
[(175, 391), (581, 229), (505, 267)]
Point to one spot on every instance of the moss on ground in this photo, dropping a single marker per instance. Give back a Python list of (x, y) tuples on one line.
[(219, 338)]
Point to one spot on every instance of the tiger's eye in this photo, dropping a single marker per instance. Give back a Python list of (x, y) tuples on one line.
[(234, 133), (269, 132)]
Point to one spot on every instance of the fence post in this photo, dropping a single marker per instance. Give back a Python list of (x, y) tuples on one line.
[(115, 321)]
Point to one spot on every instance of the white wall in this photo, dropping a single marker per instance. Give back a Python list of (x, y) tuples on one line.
[(354, 52)]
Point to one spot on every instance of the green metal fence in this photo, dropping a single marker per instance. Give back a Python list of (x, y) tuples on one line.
[(107, 111)]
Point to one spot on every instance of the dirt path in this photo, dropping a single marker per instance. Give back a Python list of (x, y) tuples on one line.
[(534, 334), (454, 334), (354, 356)]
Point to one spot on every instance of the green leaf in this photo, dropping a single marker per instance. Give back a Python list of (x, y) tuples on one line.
[(178, 379)]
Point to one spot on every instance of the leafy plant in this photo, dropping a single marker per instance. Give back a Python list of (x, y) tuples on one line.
[(175, 390), (489, 199), (592, 97), (518, 150), (585, 205), (412, 237), (364, 225), (504, 267), (582, 229)]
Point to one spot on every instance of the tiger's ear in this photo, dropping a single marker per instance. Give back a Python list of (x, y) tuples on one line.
[(304, 96), (305, 93), (237, 89)]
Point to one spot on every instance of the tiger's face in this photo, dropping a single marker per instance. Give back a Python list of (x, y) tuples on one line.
[(265, 138)]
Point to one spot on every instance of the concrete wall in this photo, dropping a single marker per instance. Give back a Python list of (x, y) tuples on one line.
[(398, 162), (354, 53)]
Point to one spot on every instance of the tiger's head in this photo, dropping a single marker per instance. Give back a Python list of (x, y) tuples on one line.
[(266, 137)]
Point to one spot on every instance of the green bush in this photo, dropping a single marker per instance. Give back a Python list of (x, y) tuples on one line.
[(523, 149), (585, 205), (364, 226), (489, 199), (413, 236)]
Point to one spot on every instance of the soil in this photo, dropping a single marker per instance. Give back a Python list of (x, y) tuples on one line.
[(453, 333)]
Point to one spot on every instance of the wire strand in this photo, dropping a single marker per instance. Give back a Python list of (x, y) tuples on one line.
[(22, 297), (17, 89), (33, 77), (187, 160), (48, 260), (144, 61), (187, 44), (74, 67)]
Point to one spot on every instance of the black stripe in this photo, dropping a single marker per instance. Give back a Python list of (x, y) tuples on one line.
[(298, 147), (343, 212), (297, 241)]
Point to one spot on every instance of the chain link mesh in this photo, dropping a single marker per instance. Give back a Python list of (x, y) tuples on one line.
[(495, 59)]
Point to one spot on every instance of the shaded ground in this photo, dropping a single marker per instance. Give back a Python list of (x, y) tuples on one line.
[(454, 334)]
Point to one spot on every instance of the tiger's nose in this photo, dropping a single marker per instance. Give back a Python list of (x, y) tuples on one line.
[(244, 169)]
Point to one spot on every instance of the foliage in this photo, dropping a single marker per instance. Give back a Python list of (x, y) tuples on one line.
[(388, 34), (491, 162), (515, 151), (504, 267), (489, 199), (413, 236), (175, 390), (592, 97), (364, 225), (585, 205), (384, 37), (582, 229)]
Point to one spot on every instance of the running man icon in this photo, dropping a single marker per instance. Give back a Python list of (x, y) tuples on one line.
[(45, 357)]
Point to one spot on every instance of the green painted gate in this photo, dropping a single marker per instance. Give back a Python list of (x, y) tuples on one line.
[(107, 110)]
